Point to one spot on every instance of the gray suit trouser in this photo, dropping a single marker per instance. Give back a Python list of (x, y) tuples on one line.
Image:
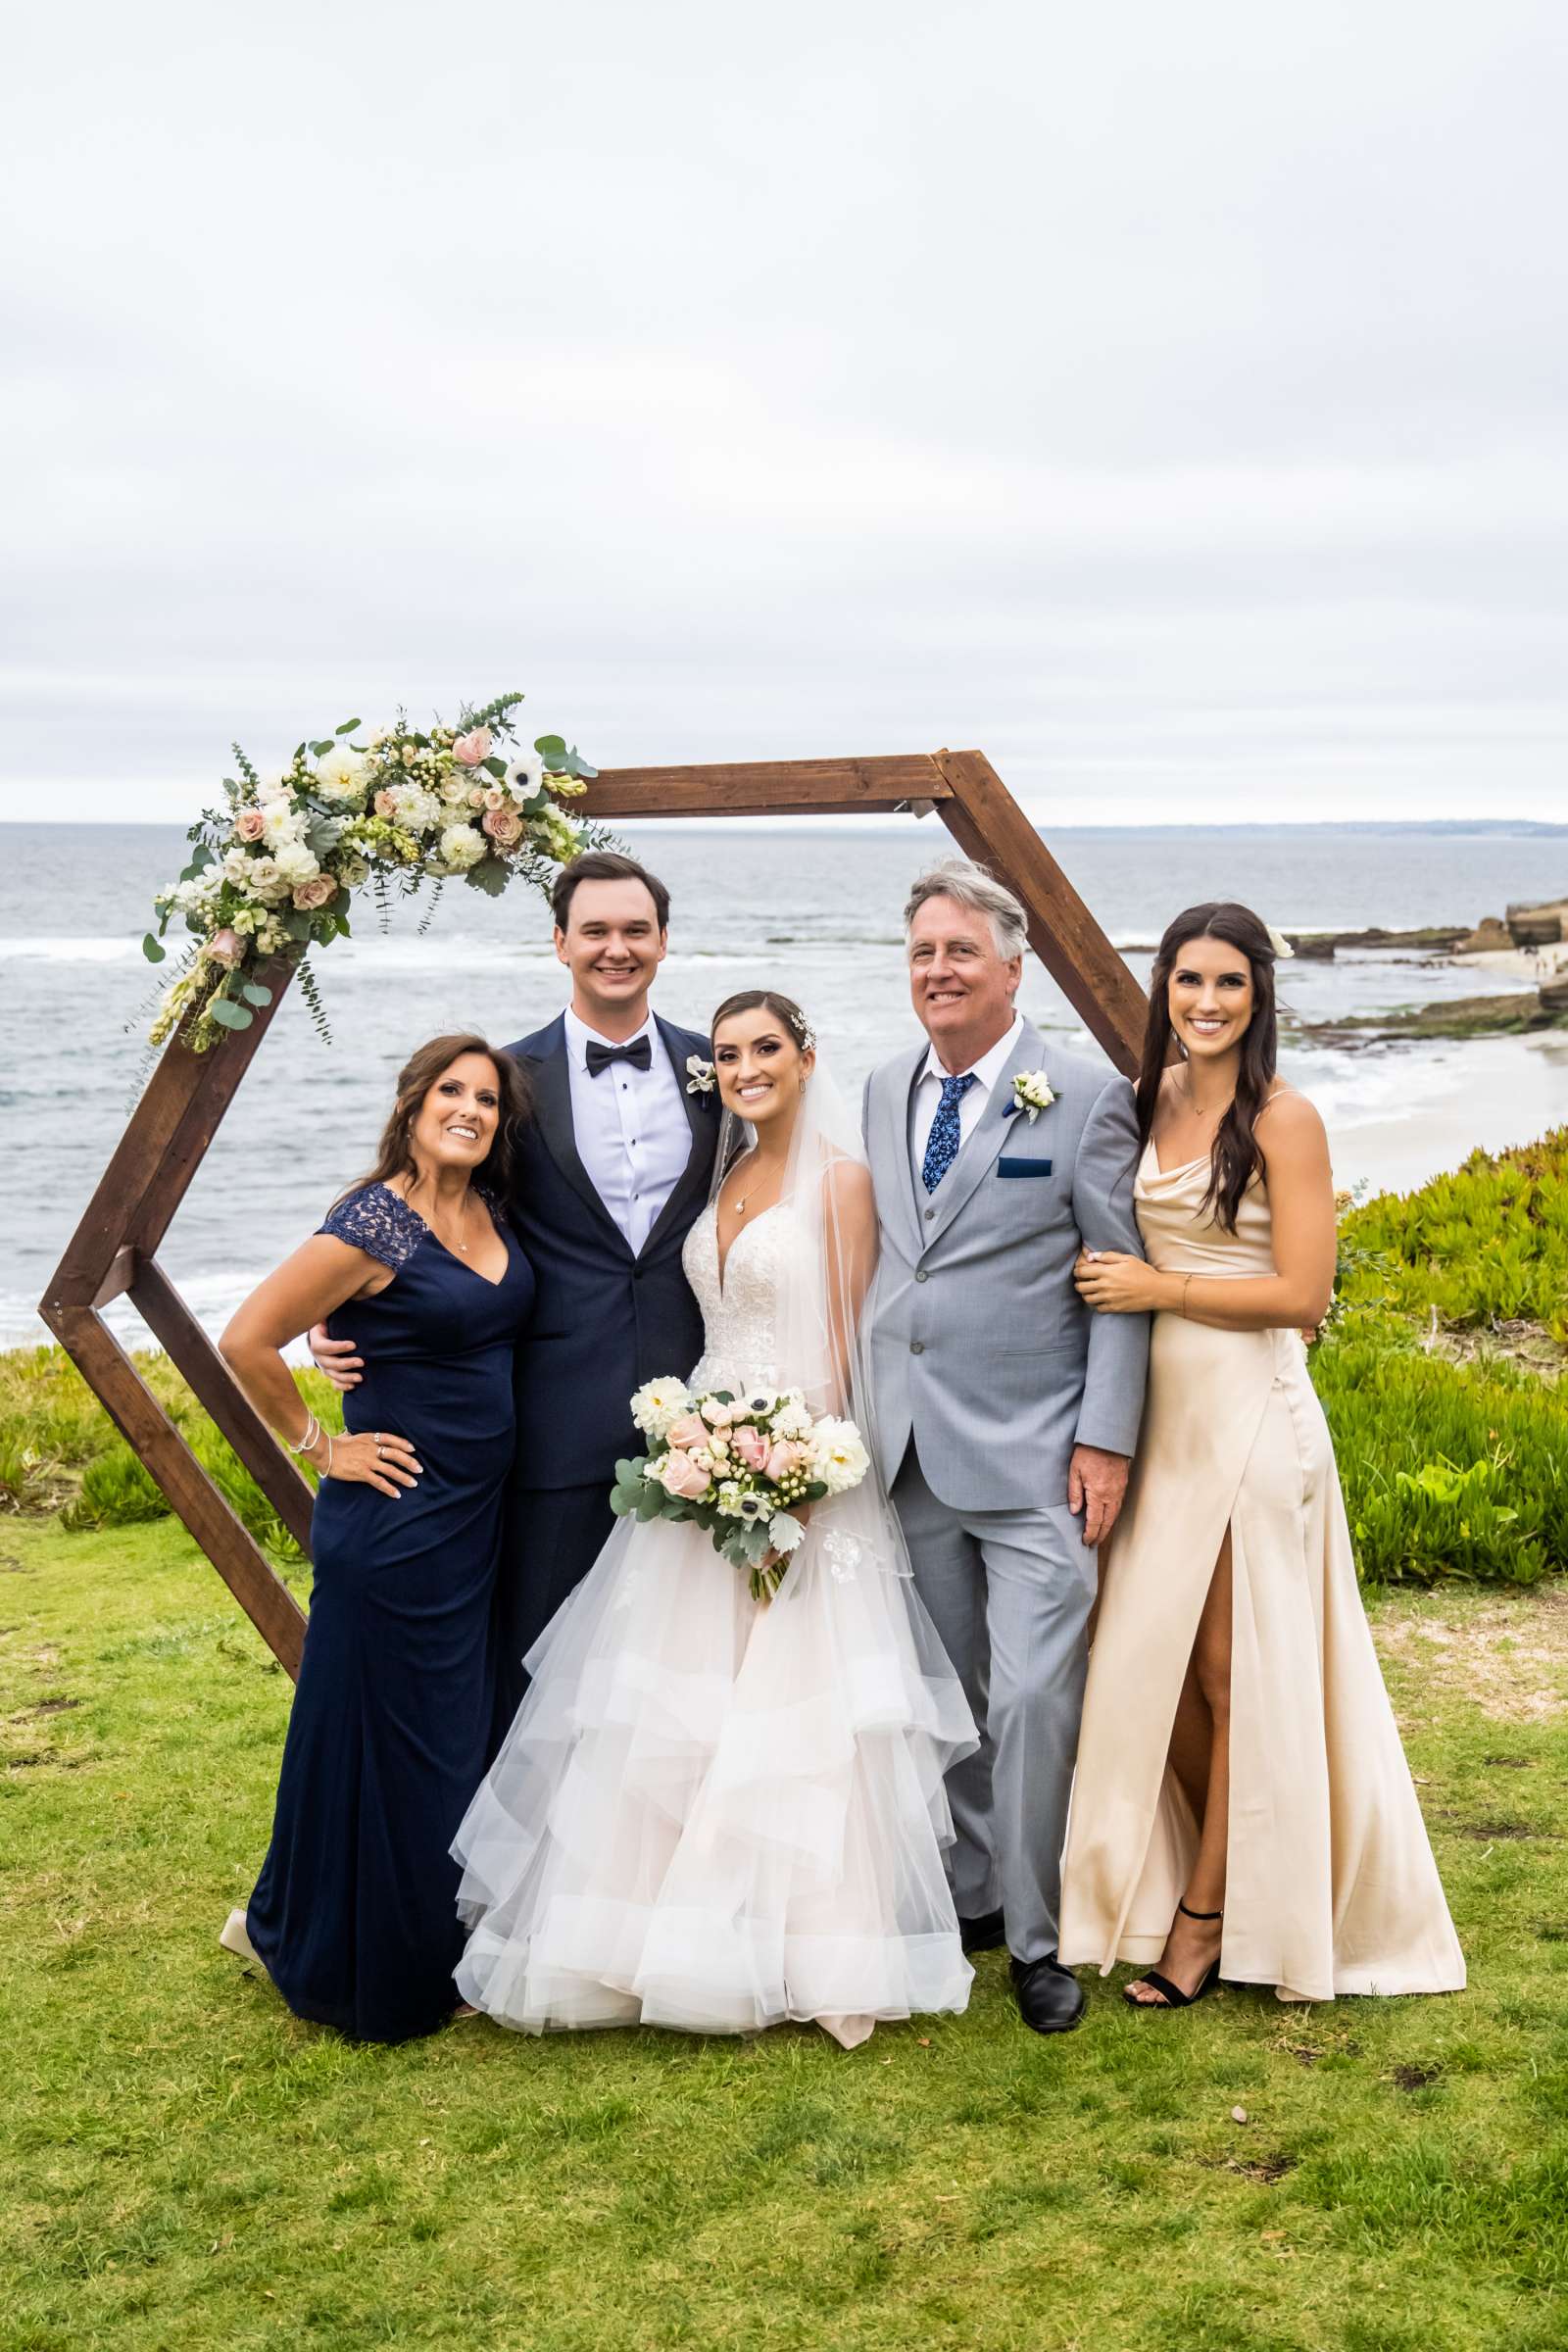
[(1009, 1593)]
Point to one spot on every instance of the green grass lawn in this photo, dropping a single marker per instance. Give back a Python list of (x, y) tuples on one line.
[(185, 2165)]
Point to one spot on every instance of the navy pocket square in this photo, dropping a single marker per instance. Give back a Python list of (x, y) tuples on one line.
[(1023, 1167)]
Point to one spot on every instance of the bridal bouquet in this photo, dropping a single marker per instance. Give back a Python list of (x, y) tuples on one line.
[(737, 1465), (273, 868)]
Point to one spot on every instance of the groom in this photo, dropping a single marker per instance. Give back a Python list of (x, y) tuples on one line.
[(1007, 1414), (613, 1169)]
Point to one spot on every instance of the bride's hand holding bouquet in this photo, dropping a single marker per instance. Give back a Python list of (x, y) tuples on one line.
[(746, 1468)]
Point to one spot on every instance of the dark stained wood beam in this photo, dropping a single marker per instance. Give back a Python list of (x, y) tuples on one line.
[(152, 1438), (766, 788), (208, 1378), (989, 825)]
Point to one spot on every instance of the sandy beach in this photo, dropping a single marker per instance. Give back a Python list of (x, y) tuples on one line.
[(1501, 1090)]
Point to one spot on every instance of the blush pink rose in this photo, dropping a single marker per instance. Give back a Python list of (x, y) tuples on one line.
[(719, 1415), (476, 798), (681, 1476), (504, 825), (752, 1446), (494, 797), (782, 1458), (248, 825), (384, 805), (689, 1432), (225, 946), (469, 750), (319, 891)]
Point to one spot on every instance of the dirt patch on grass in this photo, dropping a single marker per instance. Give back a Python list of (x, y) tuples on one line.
[(1511, 1338), (1505, 1652)]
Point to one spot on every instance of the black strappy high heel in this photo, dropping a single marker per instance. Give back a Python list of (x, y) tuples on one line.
[(1174, 1997)]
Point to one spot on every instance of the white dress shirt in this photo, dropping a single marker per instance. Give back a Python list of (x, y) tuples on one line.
[(630, 1127), (928, 1093)]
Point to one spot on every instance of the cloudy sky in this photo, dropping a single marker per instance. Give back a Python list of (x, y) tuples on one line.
[(1170, 400)]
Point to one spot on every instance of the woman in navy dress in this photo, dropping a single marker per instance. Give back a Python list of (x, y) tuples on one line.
[(354, 1917)]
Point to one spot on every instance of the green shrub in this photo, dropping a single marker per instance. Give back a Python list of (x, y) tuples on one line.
[(1448, 1469), (1485, 1245), (116, 1491)]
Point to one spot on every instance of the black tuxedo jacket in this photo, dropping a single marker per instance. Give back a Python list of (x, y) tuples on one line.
[(604, 1321)]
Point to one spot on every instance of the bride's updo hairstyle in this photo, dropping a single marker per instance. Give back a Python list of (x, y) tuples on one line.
[(1236, 1158), (768, 999)]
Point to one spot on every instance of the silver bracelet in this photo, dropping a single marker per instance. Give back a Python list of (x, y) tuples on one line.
[(313, 1433)]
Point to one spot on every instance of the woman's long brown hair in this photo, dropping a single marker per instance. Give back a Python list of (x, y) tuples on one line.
[(430, 1061), (1235, 1159)]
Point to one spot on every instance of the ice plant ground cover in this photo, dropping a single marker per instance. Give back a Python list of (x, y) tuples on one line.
[(273, 870)]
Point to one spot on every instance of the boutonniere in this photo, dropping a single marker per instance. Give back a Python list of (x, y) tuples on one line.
[(1031, 1094), (700, 1078)]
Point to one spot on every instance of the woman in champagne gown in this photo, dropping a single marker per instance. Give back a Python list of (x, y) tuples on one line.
[(712, 1813), (1241, 1808)]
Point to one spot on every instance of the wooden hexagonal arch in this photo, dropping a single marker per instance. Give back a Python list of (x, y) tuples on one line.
[(114, 1250)]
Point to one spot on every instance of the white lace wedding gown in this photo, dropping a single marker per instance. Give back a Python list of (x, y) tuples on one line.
[(712, 1814)]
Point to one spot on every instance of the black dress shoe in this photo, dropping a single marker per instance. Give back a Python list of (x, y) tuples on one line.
[(985, 1933), (1050, 1998)]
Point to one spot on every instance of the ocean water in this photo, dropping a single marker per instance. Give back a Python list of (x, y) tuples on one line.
[(814, 908)]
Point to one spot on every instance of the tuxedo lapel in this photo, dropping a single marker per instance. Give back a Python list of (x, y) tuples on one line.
[(979, 1152), (552, 1084), (701, 1117)]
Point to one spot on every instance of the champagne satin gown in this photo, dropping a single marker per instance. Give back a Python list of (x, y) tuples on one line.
[(1331, 1884)]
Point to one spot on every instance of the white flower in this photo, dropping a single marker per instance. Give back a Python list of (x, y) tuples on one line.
[(344, 775), (462, 846), (284, 824), (784, 1533), (658, 1405), (699, 1079), (352, 870), (792, 1420), (1280, 944), (525, 776), (275, 788), (729, 1500), (759, 1403), (715, 1411), (264, 883), (1031, 1094), (419, 810), (456, 787), (295, 864), (237, 866), (838, 1454), (749, 1507)]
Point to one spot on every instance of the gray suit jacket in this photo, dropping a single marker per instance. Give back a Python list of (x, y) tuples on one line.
[(980, 1347)]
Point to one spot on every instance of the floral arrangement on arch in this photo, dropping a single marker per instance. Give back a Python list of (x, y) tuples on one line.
[(274, 868)]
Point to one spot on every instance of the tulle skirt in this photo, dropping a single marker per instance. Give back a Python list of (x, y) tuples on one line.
[(714, 1815)]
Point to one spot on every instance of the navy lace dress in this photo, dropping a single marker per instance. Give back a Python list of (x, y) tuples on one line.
[(391, 1729)]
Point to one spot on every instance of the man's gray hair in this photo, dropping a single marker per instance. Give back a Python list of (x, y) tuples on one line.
[(973, 887)]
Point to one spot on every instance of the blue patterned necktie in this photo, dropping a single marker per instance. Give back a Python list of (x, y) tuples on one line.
[(942, 1144)]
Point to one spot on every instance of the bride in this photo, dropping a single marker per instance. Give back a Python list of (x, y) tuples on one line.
[(713, 1813)]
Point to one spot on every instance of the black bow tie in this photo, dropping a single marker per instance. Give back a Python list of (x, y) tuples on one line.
[(640, 1053)]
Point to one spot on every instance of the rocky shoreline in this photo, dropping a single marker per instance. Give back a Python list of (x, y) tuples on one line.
[(1529, 940)]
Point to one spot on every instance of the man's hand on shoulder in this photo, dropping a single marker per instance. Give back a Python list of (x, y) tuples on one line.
[(336, 1358), (1097, 1482)]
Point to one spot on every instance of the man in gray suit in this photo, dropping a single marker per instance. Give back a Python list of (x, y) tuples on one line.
[(1007, 1414)]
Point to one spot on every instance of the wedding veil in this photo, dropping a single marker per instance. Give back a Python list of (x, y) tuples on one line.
[(821, 1312)]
